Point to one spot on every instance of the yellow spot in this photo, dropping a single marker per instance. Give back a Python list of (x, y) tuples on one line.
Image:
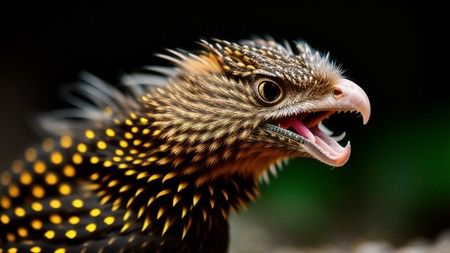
[(65, 189), (6, 178), (123, 143), (137, 142), (26, 178), (109, 132), (36, 206), (94, 160), (4, 219), (13, 191), (176, 198), (141, 211), (152, 158), (35, 249), (23, 232), (109, 220), (95, 176), (5, 202), (153, 177), (144, 120), (185, 229), (169, 176), (146, 131), (160, 212), (60, 250), (81, 147), (39, 167), (51, 178), (127, 215), (211, 190), (107, 164), (77, 203), (74, 220), (129, 158), (133, 115), (54, 203), (163, 192), (56, 157), (77, 158), (30, 154), (125, 188), (50, 234), (182, 185), (36, 224), (122, 166), (146, 223), (134, 129), (69, 170), (196, 199), (11, 238), (66, 141), (108, 112), (156, 132), (38, 191), (95, 212), (137, 161), (17, 166), (89, 134), (48, 145), (113, 183), (166, 226), (128, 135), (55, 219), (128, 122), (91, 227), (225, 194), (116, 159), (105, 199), (130, 172), (101, 145), (119, 152), (20, 212), (183, 212)]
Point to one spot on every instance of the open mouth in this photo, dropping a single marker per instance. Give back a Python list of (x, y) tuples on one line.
[(307, 128)]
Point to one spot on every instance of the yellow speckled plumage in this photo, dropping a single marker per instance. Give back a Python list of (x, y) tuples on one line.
[(158, 169)]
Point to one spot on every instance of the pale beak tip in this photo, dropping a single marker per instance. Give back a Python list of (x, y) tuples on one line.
[(355, 96)]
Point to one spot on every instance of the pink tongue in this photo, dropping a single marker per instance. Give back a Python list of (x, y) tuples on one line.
[(299, 127)]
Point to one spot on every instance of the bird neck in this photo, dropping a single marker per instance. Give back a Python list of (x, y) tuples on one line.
[(159, 201), (167, 186)]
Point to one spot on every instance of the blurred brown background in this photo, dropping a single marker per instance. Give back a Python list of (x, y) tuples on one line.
[(396, 185)]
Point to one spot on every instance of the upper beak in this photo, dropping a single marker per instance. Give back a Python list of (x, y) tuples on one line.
[(350, 96)]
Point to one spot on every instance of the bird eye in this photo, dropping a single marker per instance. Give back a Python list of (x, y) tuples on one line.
[(269, 91)]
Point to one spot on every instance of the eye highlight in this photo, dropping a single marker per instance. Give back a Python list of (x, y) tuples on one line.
[(269, 91)]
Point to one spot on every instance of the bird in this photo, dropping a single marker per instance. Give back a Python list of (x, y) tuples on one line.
[(157, 163)]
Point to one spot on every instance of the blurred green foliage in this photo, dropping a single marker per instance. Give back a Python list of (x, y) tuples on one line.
[(396, 186)]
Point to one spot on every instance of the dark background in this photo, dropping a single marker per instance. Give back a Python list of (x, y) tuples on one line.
[(396, 185)]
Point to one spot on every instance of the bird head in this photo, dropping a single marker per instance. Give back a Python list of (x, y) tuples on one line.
[(239, 107)]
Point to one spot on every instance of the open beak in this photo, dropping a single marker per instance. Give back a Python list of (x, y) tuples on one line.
[(307, 129)]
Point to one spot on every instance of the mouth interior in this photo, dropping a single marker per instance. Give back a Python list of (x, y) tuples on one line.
[(309, 126)]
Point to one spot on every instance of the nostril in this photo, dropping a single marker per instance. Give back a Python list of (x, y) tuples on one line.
[(338, 93)]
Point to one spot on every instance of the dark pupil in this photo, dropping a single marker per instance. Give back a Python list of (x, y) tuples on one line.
[(269, 91)]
